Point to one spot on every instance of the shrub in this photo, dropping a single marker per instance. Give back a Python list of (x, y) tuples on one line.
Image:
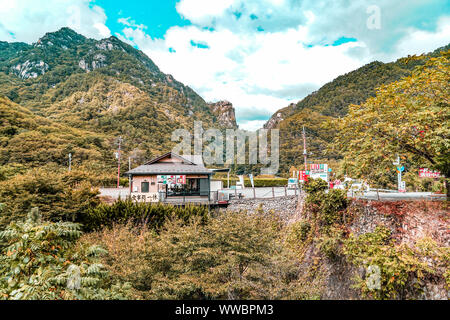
[(330, 243), (313, 186), (327, 207), (153, 215), (40, 261), (59, 195), (299, 231), (315, 189), (332, 205), (232, 256), (402, 268)]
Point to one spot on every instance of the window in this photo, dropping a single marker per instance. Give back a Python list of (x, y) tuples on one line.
[(145, 187)]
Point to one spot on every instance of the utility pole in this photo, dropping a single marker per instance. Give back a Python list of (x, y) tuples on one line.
[(70, 162), (129, 163), (118, 157), (305, 152)]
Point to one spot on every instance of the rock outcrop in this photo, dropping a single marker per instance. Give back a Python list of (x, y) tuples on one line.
[(278, 117), (224, 113)]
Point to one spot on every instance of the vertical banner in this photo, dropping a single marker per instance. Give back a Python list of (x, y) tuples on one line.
[(241, 181), (304, 176), (251, 180)]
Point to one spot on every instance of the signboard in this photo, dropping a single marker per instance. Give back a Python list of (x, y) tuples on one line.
[(315, 168), (319, 171), (320, 175), (181, 179), (303, 176), (241, 181), (402, 186), (171, 180), (427, 173), (145, 197), (251, 180)]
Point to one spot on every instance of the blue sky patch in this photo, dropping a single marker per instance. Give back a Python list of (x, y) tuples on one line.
[(343, 40), (200, 44), (157, 16)]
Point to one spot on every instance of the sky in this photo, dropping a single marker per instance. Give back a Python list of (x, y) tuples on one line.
[(261, 55)]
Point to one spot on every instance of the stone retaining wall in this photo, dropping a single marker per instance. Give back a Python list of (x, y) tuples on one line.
[(285, 207)]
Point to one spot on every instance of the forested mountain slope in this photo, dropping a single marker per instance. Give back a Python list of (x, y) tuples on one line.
[(331, 101), (106, 87), (28, 140)]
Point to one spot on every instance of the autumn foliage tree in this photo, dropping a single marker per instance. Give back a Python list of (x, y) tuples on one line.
[(409, 117)]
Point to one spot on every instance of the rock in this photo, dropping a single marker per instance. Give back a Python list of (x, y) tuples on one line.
[(30, 69), (225, 114)]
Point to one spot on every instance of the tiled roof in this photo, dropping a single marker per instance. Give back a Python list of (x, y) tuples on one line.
[(170, 168), (162, 168)]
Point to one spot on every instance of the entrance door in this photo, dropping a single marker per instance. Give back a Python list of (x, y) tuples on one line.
[(145, 187), (204, 187)]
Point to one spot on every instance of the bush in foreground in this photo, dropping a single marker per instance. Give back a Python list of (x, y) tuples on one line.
[(59, 195), (232, 256), (153, 215), (41, 261)]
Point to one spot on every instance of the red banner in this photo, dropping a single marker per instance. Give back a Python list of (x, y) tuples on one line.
[(426, 173), (303, 176)]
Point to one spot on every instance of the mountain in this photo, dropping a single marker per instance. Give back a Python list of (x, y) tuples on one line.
[(105, 87), (224, 113), (332, 101), (30, 140)]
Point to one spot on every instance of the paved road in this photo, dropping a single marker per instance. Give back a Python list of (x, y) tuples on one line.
[(394, 196), (248, 193), (281, 192)]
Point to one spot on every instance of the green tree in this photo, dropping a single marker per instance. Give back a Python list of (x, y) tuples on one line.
[(41, 261), (410, 117), (59, 195), (233, 256)]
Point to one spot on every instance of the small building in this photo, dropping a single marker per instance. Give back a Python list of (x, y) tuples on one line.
[(172, 178)]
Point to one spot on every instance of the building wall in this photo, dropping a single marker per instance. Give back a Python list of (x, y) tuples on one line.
[(137, 180), (152, 179)]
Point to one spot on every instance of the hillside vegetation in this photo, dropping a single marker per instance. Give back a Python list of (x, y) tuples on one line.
[(32, 141), (330, 102), (70, 94)]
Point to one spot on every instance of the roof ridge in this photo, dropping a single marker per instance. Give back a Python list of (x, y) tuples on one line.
[(171, 154)]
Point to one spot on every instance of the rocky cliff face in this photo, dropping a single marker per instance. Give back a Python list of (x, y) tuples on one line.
[(106, 87), (224, 113), (278, 117), (333, 275)]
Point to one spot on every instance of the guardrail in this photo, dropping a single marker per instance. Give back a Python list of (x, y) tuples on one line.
[(384, 190)]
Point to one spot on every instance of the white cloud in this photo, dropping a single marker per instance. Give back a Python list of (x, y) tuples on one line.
[(28, 20), (419, 41), (257, 72), (261, 54), (198, 10)]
